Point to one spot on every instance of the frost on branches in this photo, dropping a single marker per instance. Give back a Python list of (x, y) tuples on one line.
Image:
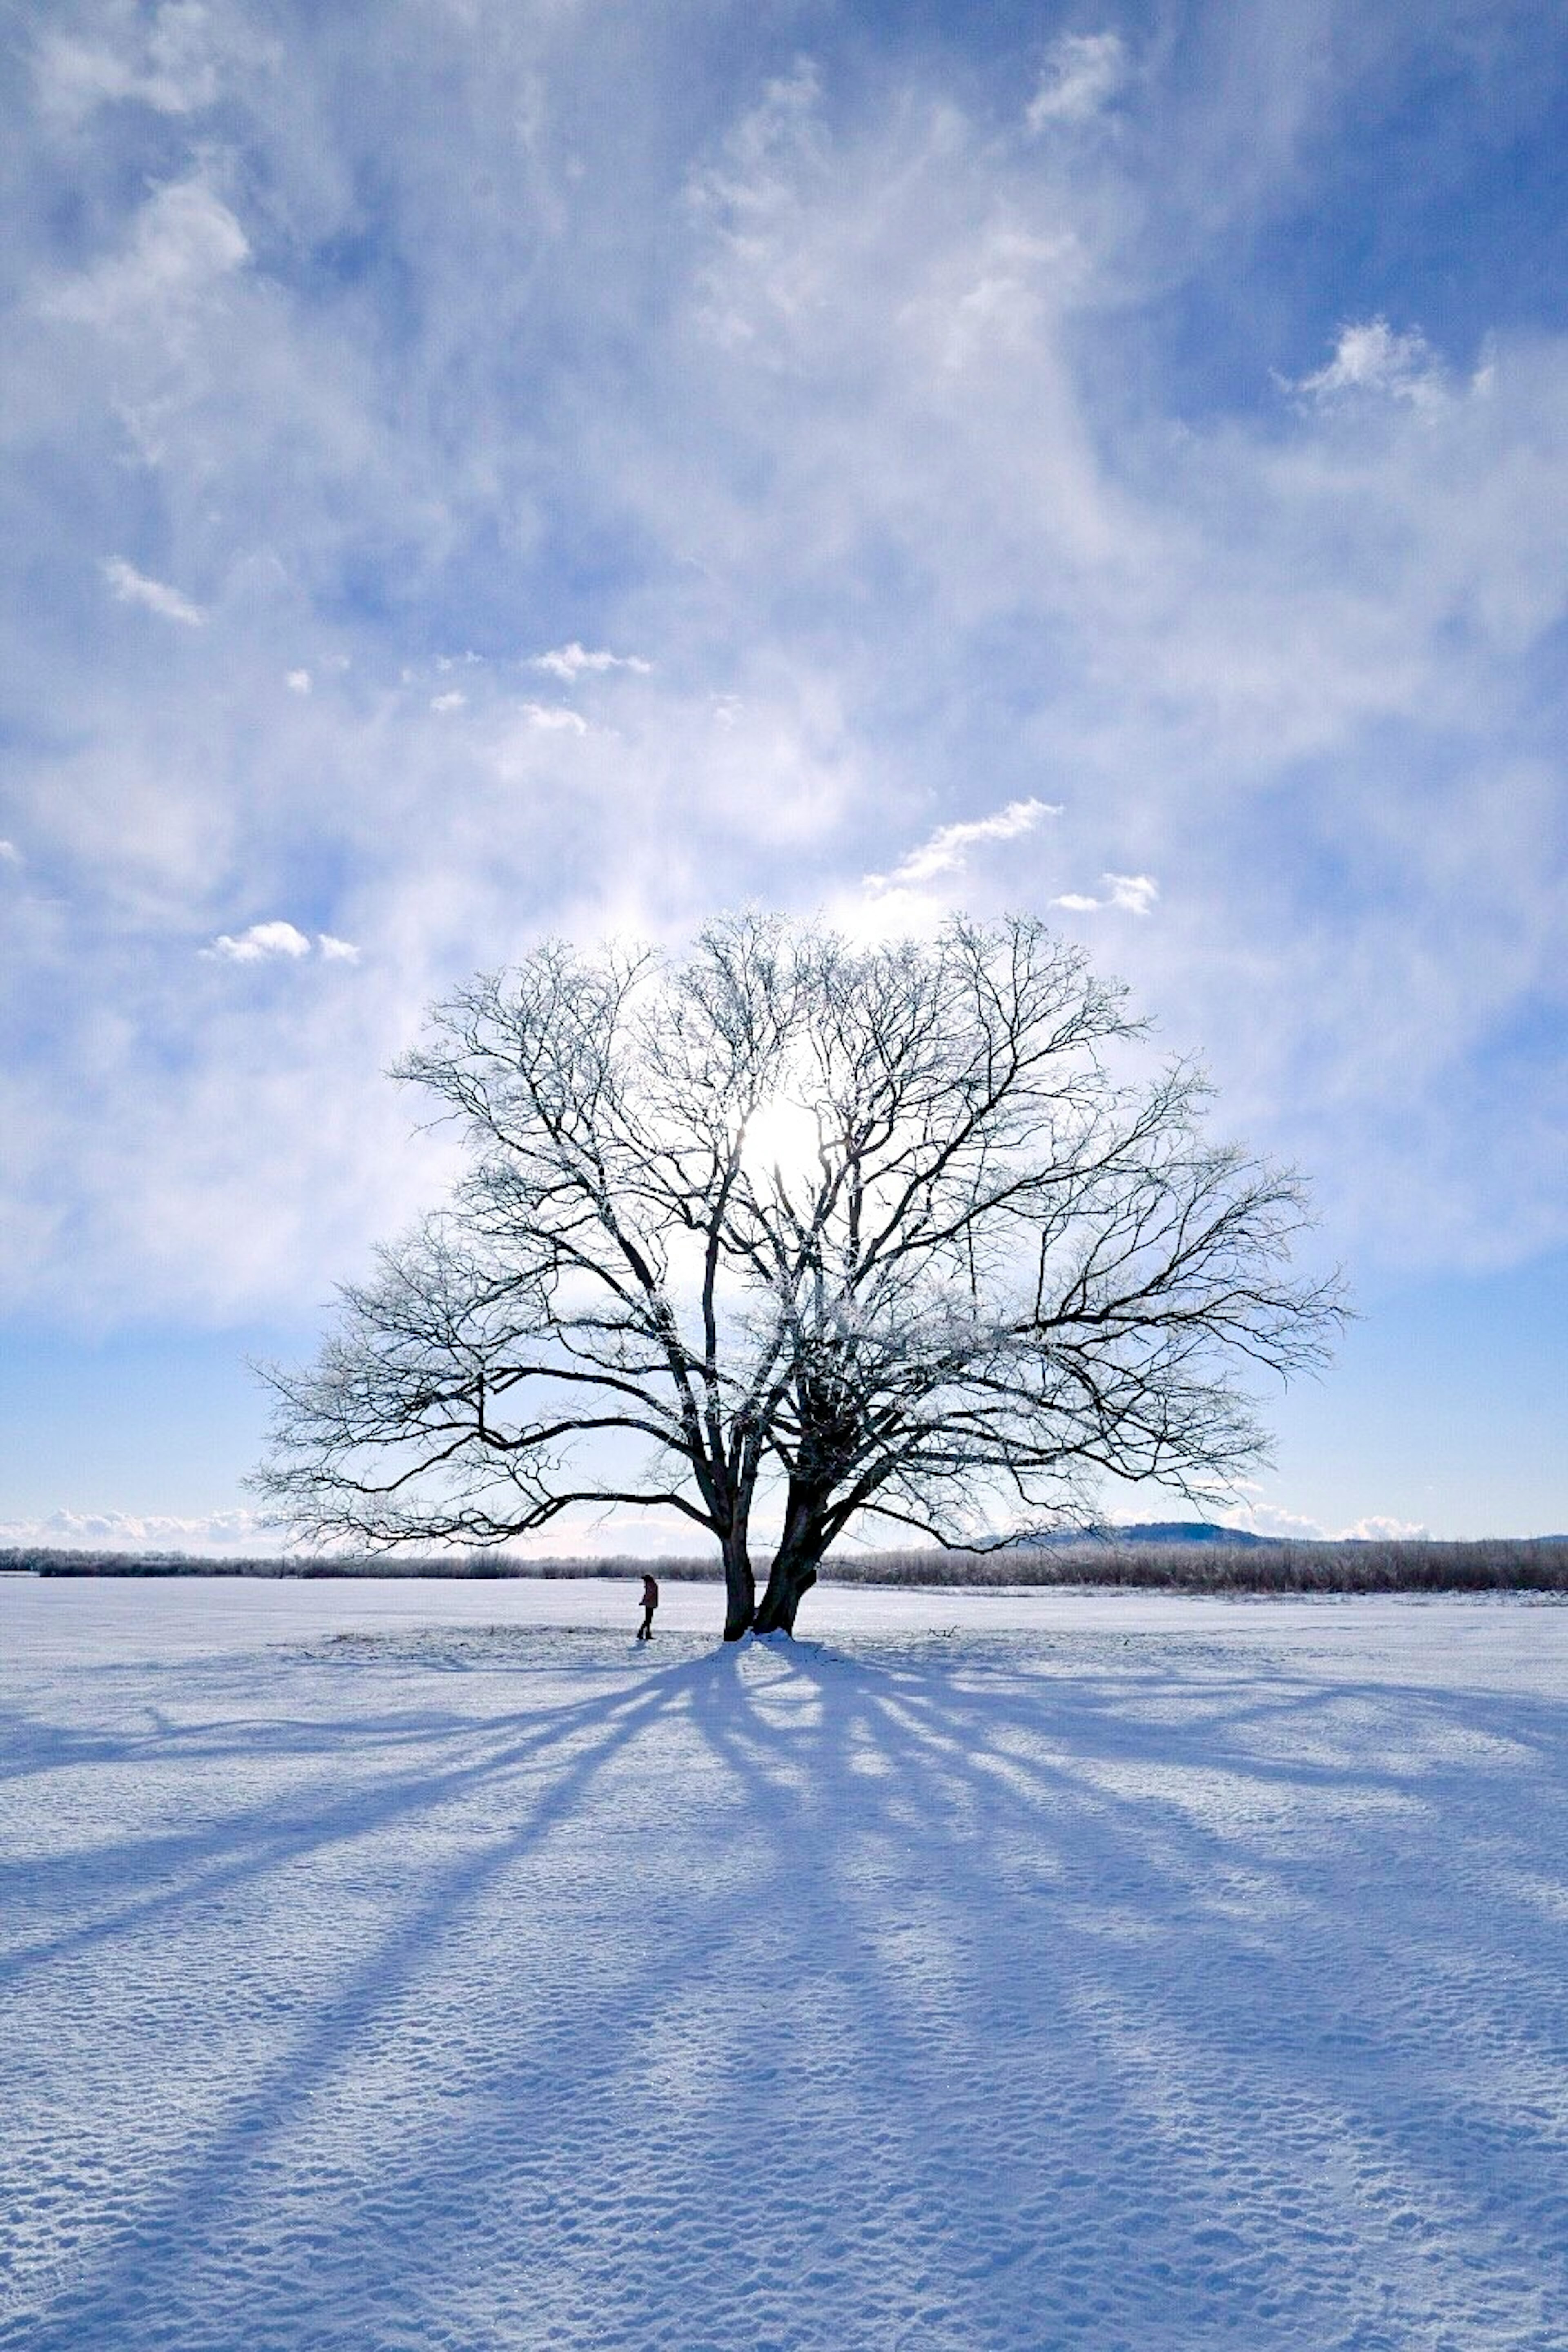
[(796, 1233)]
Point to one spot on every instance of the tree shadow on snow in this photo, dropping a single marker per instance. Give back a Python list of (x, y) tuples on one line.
[(988, 1994)]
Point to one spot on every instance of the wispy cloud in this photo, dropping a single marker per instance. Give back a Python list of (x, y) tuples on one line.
[(1134, 894), (947, 851), (1268, 1519), (1372, 358), (1083, 73), (171, 67), (826, 425), (68, 1531), (334, 950), (555, 718), (182, 242), (451, 700), (573, 661), (132, 587), (298, 681), (9, 854)]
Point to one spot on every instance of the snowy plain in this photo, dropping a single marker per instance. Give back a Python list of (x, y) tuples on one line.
[(427, 1966)]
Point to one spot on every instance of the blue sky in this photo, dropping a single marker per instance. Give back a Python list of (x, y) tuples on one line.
[(471, 470)]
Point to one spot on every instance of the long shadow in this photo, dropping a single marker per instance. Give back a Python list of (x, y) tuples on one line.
[(585, 1734), (1178, 1853), (1062, 1941), (252, 1841), (953, 1764)]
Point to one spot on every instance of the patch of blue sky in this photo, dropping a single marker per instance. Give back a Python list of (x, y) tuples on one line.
[(1453, 1389), (141, 1421)]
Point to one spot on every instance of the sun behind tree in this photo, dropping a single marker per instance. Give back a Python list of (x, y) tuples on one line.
[(805, 1232)]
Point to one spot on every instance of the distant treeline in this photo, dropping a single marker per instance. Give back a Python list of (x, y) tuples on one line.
[(1216, 1564), (461, 1567), (1500, 1564)]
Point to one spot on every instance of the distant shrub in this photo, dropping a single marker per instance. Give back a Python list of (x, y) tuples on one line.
[(1498, 1564), (487, 1567)]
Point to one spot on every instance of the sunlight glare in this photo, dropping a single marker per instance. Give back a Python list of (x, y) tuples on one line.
[(781, 1135)]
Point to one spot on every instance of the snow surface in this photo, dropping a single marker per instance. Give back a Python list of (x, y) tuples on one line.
[(425, 1965)]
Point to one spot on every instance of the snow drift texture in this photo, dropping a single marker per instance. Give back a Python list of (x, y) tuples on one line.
[(998, 1971)]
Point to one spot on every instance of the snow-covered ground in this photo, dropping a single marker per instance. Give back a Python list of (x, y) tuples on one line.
[(421, 1965)]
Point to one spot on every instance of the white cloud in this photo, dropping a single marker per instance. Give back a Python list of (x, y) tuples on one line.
[(1269, 1519), (553, 717), (9, 854), (259, 943), (1384, 1530), (298, 681), (336, 950), (132, 587), (569, 662), (175, 73), (1134, 894), (66, 1530), (947, 851), (754, 201), (184, 240), (1083, 73), (1372, 359), (912, 577), (451, 700)]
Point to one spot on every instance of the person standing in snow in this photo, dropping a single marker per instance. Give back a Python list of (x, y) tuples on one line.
[(649, 1604)]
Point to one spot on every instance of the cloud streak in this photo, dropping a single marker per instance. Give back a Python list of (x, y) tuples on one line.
[(1133, 894), (573, 661), (947, 850), (129, 586)]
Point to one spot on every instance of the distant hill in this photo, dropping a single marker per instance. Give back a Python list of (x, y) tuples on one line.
[(1165, 1531)]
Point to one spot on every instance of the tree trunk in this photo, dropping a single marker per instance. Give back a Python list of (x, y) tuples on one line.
[(793, 1574), (740, 1589)]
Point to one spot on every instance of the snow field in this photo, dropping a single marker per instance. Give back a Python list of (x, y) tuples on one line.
[(426, 1966)]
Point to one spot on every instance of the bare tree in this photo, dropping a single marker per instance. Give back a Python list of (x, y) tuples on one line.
[(808, 1231)]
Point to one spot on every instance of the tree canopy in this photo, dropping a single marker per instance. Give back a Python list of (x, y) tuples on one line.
[(796, 1233)]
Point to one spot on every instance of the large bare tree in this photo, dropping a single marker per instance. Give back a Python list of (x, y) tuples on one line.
[(802, 1232)]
